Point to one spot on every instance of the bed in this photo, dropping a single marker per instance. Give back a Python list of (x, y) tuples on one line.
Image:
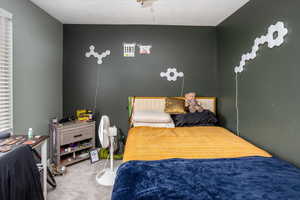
[(199, 163)]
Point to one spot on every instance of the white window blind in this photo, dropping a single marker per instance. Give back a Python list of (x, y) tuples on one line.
[(6, 109)]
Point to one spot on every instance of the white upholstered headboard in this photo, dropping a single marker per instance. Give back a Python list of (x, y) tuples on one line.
[(158, 103)]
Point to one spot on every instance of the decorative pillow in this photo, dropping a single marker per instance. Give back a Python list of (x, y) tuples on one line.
[(151, 117), (204, 118), (158, 125), (175, 106)]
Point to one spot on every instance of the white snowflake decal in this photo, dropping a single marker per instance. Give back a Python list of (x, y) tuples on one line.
[(172, 74), (97, 55)]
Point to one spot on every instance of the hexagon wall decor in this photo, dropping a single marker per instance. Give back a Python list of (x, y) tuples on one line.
[(97, 55), (274, 38), (171, 74)]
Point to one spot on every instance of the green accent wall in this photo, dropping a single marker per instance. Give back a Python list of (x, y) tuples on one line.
[(37, 66), (269, 87), (192, 50)]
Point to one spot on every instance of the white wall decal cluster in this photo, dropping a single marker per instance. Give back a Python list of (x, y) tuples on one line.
[(274, 38), (97, 55), (172, 74)]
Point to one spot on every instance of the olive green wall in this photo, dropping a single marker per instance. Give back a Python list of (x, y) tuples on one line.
[(192, 50), (269, 87), (269, 92), (37, 66)]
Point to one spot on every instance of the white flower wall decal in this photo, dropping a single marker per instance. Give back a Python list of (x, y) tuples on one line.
[(172, 74), (97, 55), (274, 38)]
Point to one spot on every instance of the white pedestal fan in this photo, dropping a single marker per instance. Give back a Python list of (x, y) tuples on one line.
[(106, 136)]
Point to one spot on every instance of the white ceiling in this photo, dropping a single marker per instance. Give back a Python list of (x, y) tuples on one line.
[(162, 12)]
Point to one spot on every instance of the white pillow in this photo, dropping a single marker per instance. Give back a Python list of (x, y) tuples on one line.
[(151, 117), (158, 125)]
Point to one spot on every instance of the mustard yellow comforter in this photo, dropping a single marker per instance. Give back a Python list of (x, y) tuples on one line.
[(147, 143)]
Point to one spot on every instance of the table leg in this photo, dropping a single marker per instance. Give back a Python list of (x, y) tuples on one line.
[(44, 163)]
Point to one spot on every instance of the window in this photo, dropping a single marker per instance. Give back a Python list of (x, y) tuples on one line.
[(6, 109)]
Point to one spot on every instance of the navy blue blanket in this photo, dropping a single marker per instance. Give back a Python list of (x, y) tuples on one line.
[(249, 178)]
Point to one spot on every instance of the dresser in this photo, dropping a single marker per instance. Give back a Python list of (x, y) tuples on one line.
[(72, 141)]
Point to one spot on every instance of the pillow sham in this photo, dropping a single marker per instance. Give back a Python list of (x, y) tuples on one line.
[(175, 106), (151, 117), (158, 125), (204, 118)]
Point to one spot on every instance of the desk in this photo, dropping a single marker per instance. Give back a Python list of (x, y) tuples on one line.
[(42, 142)]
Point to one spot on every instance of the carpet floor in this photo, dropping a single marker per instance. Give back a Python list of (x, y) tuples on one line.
[(79, 183)]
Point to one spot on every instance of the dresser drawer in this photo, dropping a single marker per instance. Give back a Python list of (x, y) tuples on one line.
[(76, 135)]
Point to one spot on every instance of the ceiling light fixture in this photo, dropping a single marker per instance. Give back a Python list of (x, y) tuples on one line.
[(141, 2)]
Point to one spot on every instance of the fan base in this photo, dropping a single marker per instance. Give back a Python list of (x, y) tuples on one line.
[(106, 177)]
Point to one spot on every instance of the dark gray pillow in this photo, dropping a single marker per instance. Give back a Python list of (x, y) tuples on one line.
[(204, 118)]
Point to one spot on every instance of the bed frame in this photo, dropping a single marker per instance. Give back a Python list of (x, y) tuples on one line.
[(158, 104)]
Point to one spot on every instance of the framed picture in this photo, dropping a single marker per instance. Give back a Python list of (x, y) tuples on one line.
[(94, 156), (145, 49), (129, 49)]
